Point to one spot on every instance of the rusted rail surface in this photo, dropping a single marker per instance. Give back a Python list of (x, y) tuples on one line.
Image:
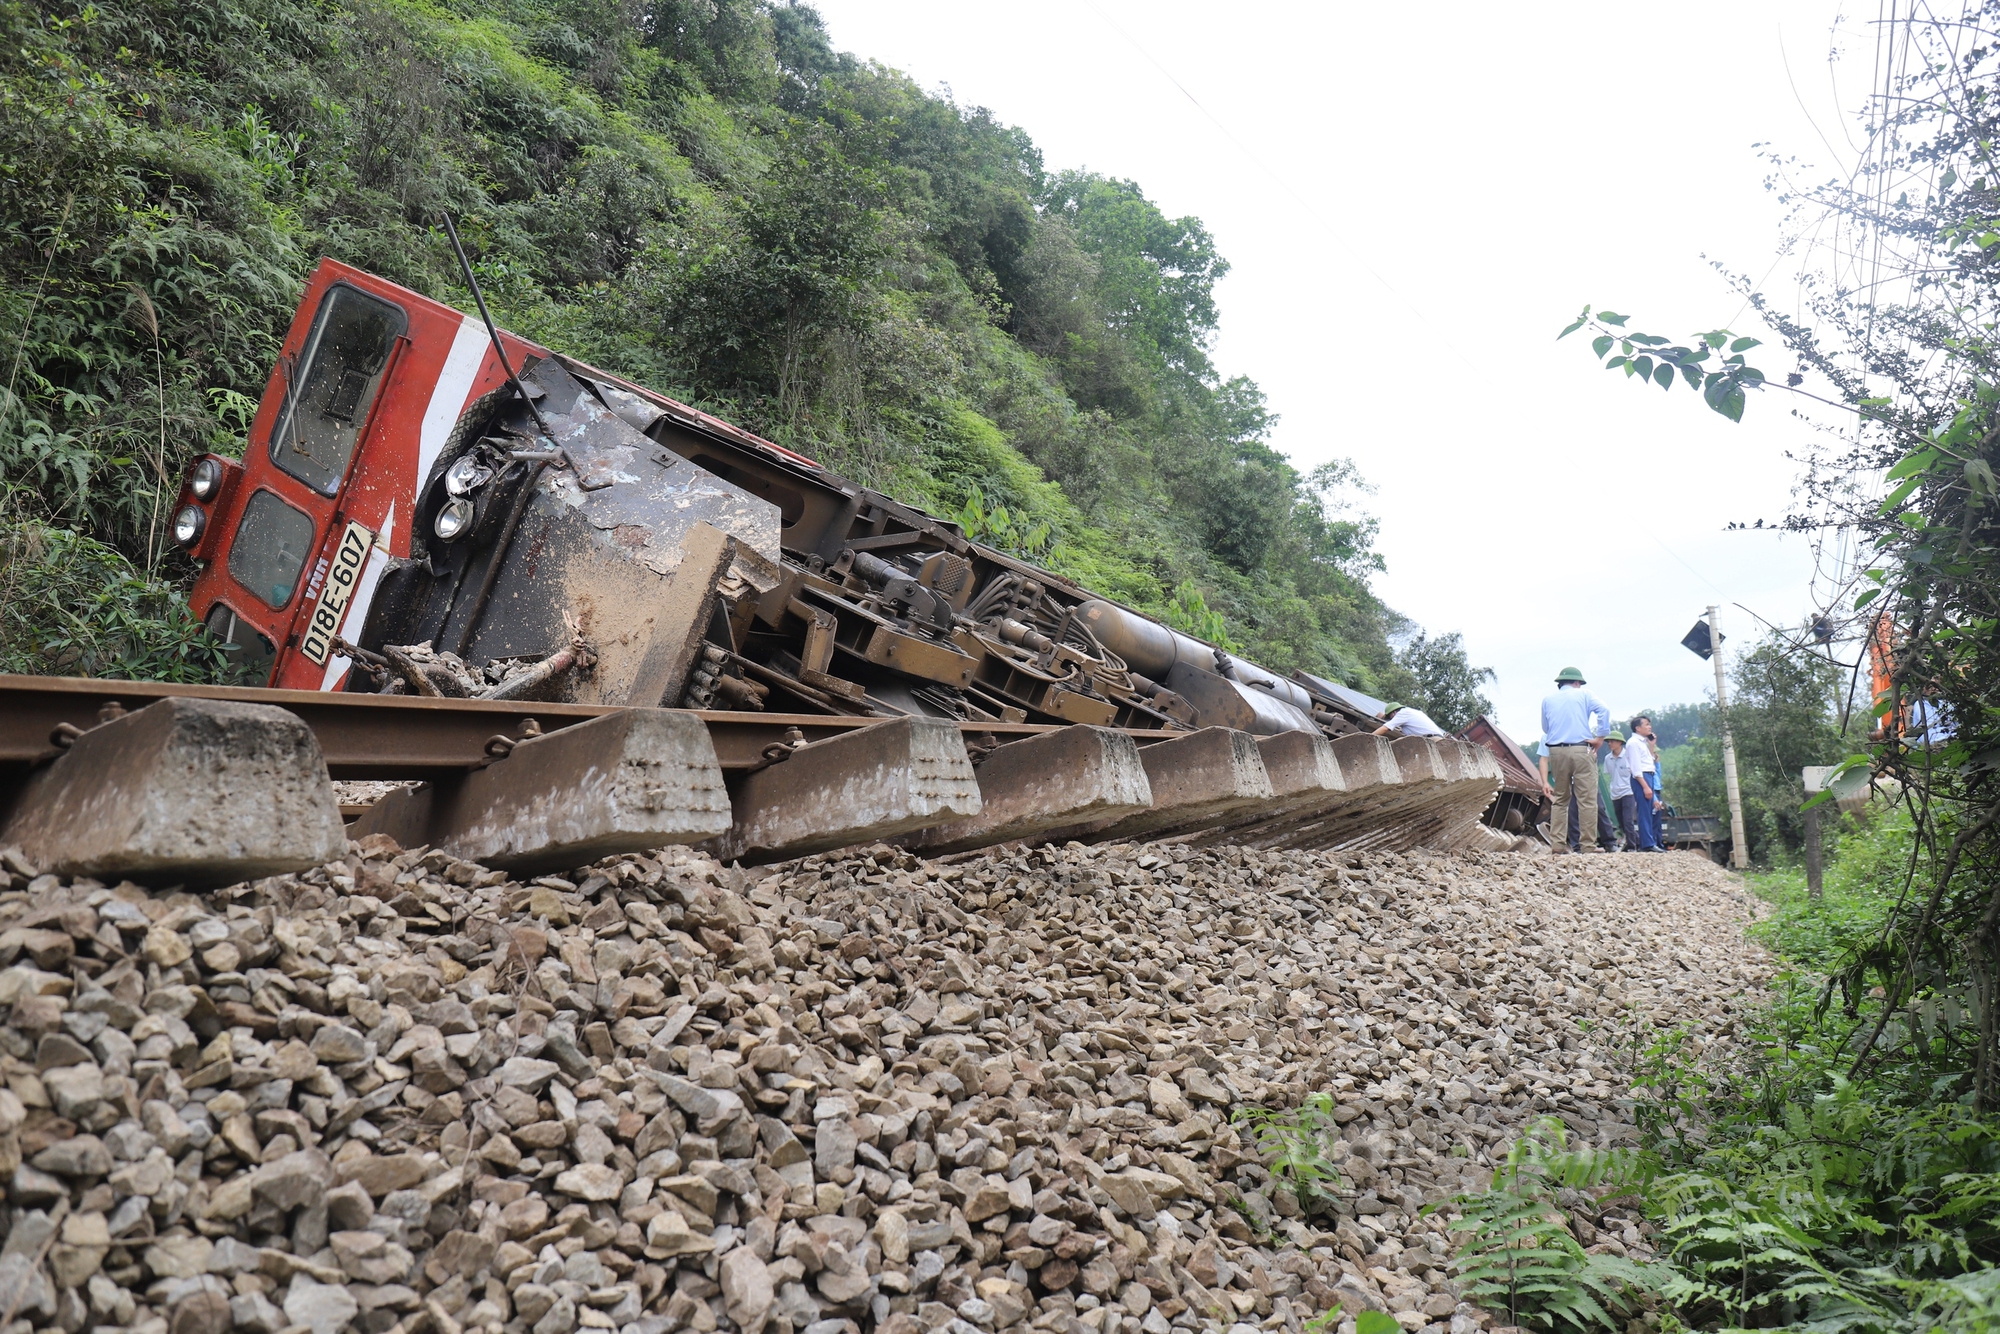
[(390, 736), (542, 786)]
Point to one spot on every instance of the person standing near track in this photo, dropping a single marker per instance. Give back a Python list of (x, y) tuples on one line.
[(1645, 783), (1618, 772), (1573, 722)]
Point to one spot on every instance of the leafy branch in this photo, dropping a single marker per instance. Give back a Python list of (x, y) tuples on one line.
[(1711, 362)]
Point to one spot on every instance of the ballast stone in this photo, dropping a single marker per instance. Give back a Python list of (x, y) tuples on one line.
[(185, 790), (862, 1093)]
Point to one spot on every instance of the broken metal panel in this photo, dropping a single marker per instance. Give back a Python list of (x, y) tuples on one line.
[(681, 617), (600, 535), (1517, 770)]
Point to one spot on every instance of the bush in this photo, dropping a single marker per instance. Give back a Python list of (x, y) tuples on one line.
[(1864, 878), (70, 606), (1799, 1194)]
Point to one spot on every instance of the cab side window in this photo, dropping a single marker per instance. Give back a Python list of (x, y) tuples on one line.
[(270, 548), (252, 651)]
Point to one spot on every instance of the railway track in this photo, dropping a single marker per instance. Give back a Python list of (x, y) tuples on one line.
[(202, 784)]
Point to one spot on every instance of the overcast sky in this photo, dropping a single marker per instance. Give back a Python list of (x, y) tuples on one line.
[(1414, 201)]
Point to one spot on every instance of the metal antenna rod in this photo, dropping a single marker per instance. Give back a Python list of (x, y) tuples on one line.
[(465, 265)]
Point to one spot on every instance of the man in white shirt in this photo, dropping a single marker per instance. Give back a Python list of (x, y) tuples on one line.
[(1407, 721), (1618, 774), (1645, 766)]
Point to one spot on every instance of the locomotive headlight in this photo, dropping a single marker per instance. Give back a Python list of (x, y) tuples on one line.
[(466, 476), (452, 520), (206, 479), (188, 525)]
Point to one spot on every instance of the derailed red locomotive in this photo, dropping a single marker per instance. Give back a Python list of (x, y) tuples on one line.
[(428, 505)]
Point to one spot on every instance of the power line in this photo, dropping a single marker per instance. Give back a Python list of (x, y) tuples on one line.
[(1283, 184), (1683, 564)]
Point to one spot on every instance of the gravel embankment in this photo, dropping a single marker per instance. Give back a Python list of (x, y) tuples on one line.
[(856, 1092)]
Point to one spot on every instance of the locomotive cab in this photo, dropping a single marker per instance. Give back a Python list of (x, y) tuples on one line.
[(292, 539), (426, 504)]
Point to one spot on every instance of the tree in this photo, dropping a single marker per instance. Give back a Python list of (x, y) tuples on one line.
[(1893, 341), (699, 194), (1447, 684), (1676, 724)]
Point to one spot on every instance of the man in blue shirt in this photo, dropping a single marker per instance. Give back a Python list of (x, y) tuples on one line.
[(1573, 722)]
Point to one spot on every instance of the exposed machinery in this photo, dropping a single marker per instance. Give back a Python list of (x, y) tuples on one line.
[(429, 506)]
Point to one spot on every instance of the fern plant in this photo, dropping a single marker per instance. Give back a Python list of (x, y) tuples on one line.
[(1515, 1252), (1293, 1145), (1843, 1213)]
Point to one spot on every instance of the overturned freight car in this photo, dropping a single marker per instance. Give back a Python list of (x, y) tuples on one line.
[(431, 506)]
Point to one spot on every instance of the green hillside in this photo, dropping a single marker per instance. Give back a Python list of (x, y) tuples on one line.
[(700, 194)]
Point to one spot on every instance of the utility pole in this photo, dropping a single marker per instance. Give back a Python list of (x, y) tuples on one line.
[(1815, 874), (1817, 790), (1739, 849)]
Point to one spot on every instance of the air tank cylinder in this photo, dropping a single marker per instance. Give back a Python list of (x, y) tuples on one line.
[(1149, 648), (1245, 696)]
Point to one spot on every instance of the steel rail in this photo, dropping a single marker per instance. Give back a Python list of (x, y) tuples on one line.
[(394, 736)]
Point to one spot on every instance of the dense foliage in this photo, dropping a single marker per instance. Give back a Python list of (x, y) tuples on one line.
[(701, 194), (1791, 1193), (71, 606)]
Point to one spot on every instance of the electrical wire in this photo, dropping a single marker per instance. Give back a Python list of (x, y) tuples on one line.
[(1685, 566), (1282, 182)]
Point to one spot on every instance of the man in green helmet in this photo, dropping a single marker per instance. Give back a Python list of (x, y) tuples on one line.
[(1573, 722)]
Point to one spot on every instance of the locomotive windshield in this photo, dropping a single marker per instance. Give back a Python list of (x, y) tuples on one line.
[(330, 391)]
